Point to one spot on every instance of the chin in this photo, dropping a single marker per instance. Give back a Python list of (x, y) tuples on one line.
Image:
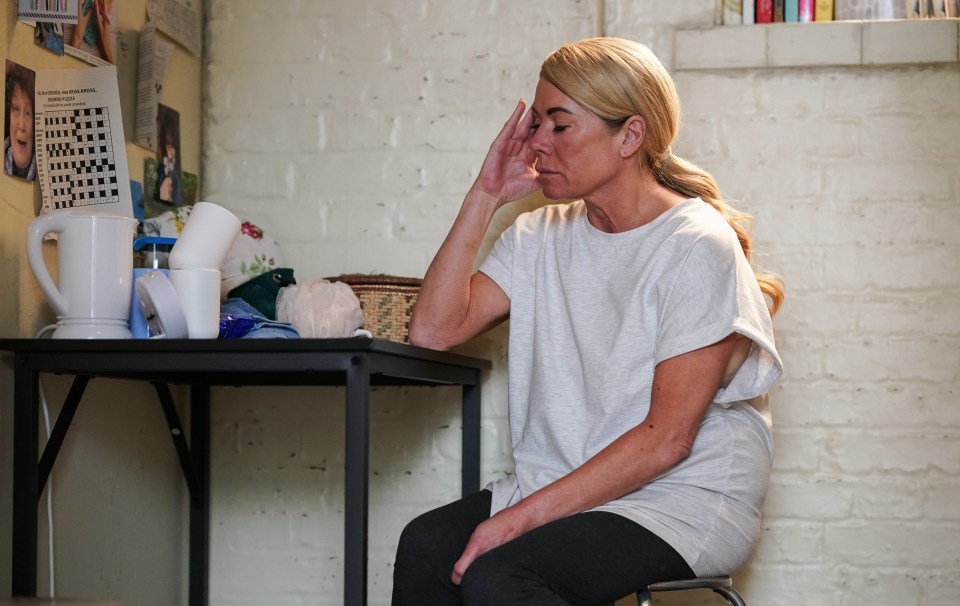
[(559, 196), (552, 192)]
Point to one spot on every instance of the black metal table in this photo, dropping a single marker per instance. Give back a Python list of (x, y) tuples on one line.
[(358, 364)]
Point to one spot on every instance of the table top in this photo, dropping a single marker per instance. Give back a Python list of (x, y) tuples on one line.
[(353, 344), (53, 602), (225, 361)]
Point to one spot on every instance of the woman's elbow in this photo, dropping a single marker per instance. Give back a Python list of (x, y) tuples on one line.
[(421, 336)]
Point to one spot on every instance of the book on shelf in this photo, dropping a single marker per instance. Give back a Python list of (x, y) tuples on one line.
[(805, 11), (778, 11), (937, 9), (823, 11), (791, 10), (856, 10), (764, 11), (749, 12), (732, 12)]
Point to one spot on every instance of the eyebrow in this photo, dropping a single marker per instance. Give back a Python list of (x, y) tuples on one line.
[(555, 110)]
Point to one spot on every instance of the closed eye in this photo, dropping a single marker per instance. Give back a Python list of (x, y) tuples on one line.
[(558, 128)]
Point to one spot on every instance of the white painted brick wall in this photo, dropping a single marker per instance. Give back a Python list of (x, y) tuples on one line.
[(350, 131)]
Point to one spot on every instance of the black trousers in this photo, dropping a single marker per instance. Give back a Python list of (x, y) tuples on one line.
[(585, 559)]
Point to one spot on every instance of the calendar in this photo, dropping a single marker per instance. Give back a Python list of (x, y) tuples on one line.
[(81, 155)]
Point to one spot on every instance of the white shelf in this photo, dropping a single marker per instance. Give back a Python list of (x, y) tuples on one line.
[(900, 42)]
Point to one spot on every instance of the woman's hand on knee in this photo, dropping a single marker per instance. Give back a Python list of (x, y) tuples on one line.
[(490, 534)]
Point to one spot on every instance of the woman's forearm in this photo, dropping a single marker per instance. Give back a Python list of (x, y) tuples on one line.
[(634, 459), (443, 305), (629, 462), (455, 303), (683, 388)]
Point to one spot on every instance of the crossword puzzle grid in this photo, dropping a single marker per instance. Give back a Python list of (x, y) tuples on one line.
[(79, 149)]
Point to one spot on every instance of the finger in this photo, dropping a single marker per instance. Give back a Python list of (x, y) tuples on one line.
[(460, 568), (518, 111), (522, 129), (509, 127)]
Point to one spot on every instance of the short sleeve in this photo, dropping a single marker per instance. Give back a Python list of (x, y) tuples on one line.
[(714, 294), (499, 262)]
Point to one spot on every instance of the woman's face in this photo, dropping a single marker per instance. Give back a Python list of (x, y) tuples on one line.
[(577, 152), (21, 127)]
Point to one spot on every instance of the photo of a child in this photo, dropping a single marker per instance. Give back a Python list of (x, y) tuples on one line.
[(169, 188)]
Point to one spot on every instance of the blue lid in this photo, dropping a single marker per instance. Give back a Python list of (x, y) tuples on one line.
[(139, 243)]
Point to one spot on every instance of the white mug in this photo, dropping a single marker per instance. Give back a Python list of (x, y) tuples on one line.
[(206, 238), (95, 269), (199, 293)]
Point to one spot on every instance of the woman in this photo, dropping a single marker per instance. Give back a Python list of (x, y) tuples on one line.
[(641, 346)]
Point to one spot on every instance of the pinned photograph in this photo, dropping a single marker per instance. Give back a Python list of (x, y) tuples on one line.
[(19, 149), (169, 181), (92, 37), (49, 34)]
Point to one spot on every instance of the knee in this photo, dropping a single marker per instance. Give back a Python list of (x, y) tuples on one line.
[(476, 585), (415, 541), (490, 580)]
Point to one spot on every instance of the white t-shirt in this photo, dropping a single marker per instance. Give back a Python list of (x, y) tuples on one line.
[(591, 315)]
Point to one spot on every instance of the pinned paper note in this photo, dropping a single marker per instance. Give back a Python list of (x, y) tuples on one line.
[(179, 19), (154, 54), (81, 157), (59, 11)]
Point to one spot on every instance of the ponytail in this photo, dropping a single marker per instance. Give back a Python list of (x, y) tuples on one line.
[(688, 179)]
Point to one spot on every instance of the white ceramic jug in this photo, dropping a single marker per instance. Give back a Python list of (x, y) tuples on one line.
[(95, 271)]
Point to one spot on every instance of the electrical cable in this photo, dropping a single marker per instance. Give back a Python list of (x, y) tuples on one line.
[(46, 421)]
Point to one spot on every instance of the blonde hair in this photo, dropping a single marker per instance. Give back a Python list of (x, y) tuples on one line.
[(616, 79)]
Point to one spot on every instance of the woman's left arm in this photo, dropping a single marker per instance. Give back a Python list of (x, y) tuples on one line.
[(683, 388)]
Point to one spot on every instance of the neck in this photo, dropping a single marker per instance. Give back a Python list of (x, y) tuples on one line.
[(630, 207)]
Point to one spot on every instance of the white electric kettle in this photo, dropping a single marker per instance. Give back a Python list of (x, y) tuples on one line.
[(95, 271)]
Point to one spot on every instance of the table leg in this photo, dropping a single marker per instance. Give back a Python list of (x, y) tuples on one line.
[(26, 487), (200, 501), (356, 490), (470, 472), (59, 433)]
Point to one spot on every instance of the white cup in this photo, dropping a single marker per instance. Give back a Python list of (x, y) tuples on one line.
[(206, 238), (199, 293)]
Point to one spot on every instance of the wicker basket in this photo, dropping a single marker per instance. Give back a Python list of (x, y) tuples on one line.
[(386, 302)]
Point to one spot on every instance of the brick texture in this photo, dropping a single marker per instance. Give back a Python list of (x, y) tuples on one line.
[(349, 131)]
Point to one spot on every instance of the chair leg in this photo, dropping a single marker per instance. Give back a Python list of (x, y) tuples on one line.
[(644, 598), (730, 594)]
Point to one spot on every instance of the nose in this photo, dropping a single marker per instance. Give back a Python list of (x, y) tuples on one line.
[(538, 142)]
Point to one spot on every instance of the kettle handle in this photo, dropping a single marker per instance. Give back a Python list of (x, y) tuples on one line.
[(48, 223)]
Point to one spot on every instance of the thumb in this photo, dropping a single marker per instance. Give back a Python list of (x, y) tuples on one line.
[(460, 568)]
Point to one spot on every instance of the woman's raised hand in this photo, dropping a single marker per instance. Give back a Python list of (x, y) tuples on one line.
[(509, 170)]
